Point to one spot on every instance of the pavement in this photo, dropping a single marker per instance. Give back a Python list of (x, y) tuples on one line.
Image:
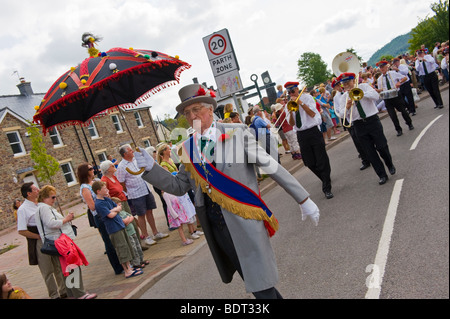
[(98, 276)]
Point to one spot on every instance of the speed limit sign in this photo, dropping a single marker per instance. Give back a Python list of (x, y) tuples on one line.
[(223, 62), (217, 44)]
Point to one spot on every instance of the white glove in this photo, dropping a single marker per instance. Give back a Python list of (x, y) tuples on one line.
[(310, 209), (143, 159)]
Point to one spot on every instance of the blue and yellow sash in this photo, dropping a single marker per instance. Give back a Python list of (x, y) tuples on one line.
[(225, 191)]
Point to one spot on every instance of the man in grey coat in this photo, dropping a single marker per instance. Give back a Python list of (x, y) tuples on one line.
[(218, 163)]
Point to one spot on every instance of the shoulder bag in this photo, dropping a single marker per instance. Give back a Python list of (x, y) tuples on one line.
[(48, 246)]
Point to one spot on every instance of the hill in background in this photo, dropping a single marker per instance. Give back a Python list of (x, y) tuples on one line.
[(397, 46)]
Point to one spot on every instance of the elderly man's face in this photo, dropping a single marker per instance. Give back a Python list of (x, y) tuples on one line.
[(129, 154), (198, 112)]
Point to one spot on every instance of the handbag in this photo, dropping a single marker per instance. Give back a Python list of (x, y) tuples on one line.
[(48, 246)]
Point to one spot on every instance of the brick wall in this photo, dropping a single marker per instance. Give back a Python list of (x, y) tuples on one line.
[(71, 151)]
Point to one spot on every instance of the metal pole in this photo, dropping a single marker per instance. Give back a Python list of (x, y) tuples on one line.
[(254, 78)]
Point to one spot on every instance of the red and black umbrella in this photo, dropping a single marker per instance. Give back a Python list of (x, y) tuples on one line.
[(118, 77)]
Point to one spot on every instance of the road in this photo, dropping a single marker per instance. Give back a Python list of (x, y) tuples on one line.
[(387, 242)]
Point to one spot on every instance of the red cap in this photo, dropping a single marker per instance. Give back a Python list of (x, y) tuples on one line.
[(290, 85), (382, 62), (346, 77)]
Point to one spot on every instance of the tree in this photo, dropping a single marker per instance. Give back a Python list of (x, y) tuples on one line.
[(312, 69), (351, 50), (431, 30), (45, 164)]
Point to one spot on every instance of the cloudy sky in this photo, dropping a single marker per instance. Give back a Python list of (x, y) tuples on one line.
[(42, 39)]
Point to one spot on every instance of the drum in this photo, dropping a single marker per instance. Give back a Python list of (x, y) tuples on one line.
[(389, 94)]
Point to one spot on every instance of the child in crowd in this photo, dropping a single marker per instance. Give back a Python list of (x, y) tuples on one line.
[(115, 226), (10, 292), (138, 260), (180, 210)]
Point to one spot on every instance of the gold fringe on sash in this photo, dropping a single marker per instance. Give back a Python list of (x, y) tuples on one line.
[(240, 209)]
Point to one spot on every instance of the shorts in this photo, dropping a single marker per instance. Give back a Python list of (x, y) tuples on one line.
[(142, 204)]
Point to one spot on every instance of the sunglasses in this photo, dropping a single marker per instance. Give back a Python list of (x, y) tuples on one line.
[(53, 197), (90, 168)]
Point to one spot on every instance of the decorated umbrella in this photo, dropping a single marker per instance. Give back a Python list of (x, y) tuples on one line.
[(104, 82)]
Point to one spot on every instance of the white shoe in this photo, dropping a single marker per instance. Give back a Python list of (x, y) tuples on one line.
[(199, 233), (195, 236), (160, 236), (149, 241), (188, 242)]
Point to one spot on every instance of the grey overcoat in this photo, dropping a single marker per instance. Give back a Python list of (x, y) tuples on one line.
[(236, 158)]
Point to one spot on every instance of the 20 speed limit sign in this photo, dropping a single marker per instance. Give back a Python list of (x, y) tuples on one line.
[(217, 44)]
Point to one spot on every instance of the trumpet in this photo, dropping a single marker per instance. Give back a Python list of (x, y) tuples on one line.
[(293, 106)]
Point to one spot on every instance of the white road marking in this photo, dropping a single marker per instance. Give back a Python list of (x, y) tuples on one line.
[(414, 145), (376, 278)]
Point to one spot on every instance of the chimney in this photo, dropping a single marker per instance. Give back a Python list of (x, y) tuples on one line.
[(25, 87)]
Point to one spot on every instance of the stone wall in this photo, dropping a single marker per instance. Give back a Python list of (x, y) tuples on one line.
[(13, 169)]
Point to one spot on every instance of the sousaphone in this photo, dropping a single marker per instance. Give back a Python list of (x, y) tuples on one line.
[(348, 62)]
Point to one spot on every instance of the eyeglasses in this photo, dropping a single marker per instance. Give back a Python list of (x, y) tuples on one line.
[(53, 197), (91, 168), (195, 110)]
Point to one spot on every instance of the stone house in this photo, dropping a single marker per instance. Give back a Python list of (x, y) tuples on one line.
[(70, 146)]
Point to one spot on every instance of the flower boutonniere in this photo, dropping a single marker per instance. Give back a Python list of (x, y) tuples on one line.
[(227, 135)]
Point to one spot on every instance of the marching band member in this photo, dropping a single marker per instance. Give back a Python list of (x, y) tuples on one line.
[(390, 80), (337, 101), (312, 145), (426, 66), (367, 125), (405, 88)]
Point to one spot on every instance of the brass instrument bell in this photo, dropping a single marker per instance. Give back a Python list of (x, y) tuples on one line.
[(356, 94)]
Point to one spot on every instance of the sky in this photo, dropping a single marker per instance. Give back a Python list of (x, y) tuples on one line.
[(42, 39)]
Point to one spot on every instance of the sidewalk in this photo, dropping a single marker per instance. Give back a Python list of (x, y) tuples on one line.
[(98, 276)]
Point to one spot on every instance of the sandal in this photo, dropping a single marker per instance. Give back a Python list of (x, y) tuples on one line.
[(88, 296), (135, 273)]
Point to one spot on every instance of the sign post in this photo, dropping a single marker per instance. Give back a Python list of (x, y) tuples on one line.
[(223, 63)]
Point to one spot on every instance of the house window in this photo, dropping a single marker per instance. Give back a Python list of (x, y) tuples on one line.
[(102, 156), (68, 173), (138, 118), (55, 137), (16, 143), (92, 130), (117, 124), (147, 143)]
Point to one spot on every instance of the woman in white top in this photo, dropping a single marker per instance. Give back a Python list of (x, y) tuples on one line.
[(51, 224)]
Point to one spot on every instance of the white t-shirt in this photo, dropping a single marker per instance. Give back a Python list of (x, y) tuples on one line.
[(25, 215)]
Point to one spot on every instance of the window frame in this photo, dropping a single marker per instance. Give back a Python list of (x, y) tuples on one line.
[(117, 123), (90, 127), (20, 143), (71, 172)]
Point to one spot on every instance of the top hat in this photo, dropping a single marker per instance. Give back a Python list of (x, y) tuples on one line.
[(195, 93)]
